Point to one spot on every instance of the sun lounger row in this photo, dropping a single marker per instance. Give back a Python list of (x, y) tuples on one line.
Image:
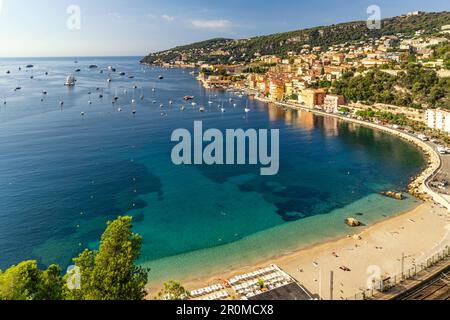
[(252, 275), (251, 292), (204, 291), (217, 296)]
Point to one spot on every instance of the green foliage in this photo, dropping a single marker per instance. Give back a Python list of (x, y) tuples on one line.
[(294, 96), (261, 283), (26, 282), (391, 118), (411, 88), (173, 291), (110, 273), (106, 274), (321, 84), (344, 109), (282, 43)]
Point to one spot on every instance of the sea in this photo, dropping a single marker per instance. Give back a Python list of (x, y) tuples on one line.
[(71, 160)]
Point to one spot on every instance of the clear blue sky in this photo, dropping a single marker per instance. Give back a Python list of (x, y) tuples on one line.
[(136, 27)]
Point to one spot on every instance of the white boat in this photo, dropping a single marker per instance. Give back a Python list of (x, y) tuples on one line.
[(202, 109), (194, 104), (247, 110), (70, 81)]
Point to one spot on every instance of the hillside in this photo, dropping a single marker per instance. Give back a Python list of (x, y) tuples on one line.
[(227, 50)]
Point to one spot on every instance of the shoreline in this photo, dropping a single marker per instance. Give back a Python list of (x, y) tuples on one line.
[(418, 186), (359, 254)]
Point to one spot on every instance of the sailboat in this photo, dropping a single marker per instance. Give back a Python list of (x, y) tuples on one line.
[(247, 109)]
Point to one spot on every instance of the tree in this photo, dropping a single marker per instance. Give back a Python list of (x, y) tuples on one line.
[(51, 284), (110, 272), (26, 282), (20, 282), (172, 291)]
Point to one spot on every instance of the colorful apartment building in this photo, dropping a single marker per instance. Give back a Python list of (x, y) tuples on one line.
[(312, 97)]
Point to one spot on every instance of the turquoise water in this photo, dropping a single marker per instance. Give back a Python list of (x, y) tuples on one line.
[(62, 176)]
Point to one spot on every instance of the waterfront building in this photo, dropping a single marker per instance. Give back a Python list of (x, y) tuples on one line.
[(312, 97), (438, 119), (332, 102)]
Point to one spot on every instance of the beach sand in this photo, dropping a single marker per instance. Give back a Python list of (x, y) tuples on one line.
[(377, 249), (418, 234)]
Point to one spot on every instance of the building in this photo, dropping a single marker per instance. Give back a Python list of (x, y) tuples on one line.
[(276, 89), (438, 119), (332, 102)]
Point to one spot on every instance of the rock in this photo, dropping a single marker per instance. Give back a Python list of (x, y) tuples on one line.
[(393, 195), (352, 222)]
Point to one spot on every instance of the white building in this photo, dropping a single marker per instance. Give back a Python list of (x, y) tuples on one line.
[(332, 103), (438, 119)]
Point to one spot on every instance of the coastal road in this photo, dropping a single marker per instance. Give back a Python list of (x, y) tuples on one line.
[(443, 176)]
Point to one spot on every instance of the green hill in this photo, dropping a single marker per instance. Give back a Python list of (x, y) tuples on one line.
[(228, 50)]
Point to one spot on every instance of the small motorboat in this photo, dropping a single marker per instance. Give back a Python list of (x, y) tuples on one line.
[(202, 109), (160, 77), (70, 81)]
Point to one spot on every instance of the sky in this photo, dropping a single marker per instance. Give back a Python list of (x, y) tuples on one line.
[(75, 28)]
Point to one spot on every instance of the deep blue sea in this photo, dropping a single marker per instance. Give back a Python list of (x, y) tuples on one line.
[(63, 175)]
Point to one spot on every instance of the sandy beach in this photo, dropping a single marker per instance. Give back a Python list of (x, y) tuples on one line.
[(372, 251), (377, 248)]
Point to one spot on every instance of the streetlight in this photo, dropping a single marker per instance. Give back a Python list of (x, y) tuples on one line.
[(316, 265)]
